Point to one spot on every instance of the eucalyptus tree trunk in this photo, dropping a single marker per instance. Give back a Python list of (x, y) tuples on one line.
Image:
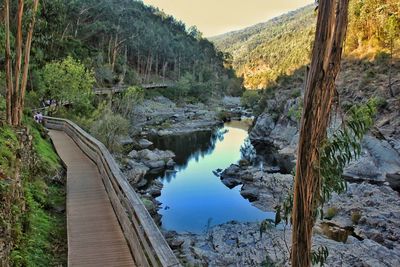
[(24, 81), (318, 99), (16, 86), (18, 63), (9, 79)]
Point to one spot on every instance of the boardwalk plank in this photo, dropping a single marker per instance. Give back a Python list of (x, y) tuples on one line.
[(95, 237)]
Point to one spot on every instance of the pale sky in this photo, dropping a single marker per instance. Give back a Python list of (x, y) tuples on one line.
[(213, 17)]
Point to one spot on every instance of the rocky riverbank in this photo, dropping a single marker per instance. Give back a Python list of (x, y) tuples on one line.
[(360, 227), (161, 118)]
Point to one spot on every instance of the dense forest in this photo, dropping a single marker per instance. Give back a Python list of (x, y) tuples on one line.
[(126, 42), (264, 52)]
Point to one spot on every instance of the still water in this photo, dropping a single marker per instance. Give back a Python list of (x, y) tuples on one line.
[(193, 198)]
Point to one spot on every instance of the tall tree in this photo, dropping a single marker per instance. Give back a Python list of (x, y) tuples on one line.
[(9, 80), (318, 99), (16, 85)]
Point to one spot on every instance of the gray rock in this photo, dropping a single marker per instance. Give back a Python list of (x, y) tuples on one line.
[(154, 189), (156, 159), (394, 180), (170, 164), (133, 154), (142, 144), (379, 162), (155, 164), (164, 132), (249, 192), (125, 140), (230, 176), (137, 172)]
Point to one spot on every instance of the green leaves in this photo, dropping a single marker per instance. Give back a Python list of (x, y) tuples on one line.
[(68, 81), (319, 256), (343, 147)]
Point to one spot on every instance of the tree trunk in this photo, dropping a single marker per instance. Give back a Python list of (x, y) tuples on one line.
[(9, 79), (18, 62), (21, 100), (164, 69), (318, 99)]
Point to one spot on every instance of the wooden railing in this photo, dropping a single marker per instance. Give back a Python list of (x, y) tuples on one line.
[(147, 244), (120, 89)]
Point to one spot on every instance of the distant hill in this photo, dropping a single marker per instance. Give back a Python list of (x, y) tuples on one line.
[(264, 51)]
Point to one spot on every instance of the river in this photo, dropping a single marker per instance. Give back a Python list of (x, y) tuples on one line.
[(194, 198)]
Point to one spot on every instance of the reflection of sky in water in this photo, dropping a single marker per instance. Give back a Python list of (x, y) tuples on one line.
[(194, 195)]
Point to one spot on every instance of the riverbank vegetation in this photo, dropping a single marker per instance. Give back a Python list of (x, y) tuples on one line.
[(32, 214)]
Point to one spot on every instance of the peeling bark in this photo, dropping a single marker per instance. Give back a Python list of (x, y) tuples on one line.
[(318, 99)]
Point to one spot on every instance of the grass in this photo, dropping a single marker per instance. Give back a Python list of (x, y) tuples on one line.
[(44, 238), (28, 214), (48, 158), (8, 149)]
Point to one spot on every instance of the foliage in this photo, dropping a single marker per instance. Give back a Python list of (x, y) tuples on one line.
[(8, 149), (265, 51), (296, 111), (43, 229), (67, 81), (341, 148), (372, 23), (48, 158), (109, 128), (355, 217), (250, 99), (124, 104), (125, 41), (320, 256), (37, 232), (331, 212)]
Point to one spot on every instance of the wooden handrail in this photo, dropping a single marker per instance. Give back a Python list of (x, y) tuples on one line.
[(148, 246), (120, 89)]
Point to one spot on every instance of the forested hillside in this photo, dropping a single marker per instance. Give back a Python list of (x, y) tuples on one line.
[(264, 51), (278, 47), (126, 42)]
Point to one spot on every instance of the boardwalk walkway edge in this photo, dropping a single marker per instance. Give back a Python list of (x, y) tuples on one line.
[(147, 244)]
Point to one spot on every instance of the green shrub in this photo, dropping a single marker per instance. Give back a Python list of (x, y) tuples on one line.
[(296, 93), (250, 99), (381, 102), (224, 115), (125, 103), (355, 217), (331, 212), (296, 111), (68, 81), (109, 128)]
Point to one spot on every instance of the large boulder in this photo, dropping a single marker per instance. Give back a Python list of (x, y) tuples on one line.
[(230, 177), (262, 129), (379, 162), (137, 171), (142, 144)]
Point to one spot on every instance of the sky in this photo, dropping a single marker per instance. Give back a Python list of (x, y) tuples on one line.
[(213, 17)]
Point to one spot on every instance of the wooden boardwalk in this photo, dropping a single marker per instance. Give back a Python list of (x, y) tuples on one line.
[(95, 237), (120, 89)]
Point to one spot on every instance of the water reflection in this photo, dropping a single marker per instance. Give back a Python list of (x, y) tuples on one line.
[(194, 198)]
